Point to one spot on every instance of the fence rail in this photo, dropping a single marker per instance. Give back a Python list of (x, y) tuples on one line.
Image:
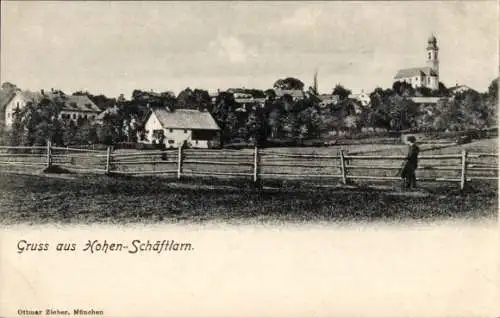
[(256, 164)]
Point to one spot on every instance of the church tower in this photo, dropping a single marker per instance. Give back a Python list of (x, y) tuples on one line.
[(432, 54)]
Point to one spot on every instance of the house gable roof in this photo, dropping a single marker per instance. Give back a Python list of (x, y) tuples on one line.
[(6, 96), (80, 103), (185, 119)]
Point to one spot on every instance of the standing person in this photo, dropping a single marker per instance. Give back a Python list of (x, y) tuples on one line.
[(411, 163)]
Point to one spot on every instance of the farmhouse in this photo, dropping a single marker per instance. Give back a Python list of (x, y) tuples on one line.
[(75, 107), (79, 107), (427, 76), (194, 127)]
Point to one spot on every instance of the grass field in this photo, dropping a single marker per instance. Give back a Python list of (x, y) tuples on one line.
[(87, 199)]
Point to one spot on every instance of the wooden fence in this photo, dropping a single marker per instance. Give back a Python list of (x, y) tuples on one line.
[(255, 164)]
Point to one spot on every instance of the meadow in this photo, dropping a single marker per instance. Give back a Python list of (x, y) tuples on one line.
[(97, 199)]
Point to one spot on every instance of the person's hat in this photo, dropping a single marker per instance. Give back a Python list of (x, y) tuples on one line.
[(411, 139)]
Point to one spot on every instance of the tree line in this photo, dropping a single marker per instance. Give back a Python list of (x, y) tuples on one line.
[(280, 118)]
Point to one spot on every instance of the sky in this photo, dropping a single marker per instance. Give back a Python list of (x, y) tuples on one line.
[(118, 46)]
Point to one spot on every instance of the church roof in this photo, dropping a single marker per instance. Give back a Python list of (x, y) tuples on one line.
[(415, 71)]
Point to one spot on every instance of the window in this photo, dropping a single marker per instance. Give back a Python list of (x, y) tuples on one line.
[(171, 141), (157, 133), (196, 142), (185, 131), (74, 116), (430, 55), (428, 80), (170, 130), (8, 115)]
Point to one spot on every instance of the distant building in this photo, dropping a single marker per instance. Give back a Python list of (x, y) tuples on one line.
[(363, 98), (194, 127), (328, 99), (296, 94), (458, 89), (74, 108), (79, 107), (250, 101), (427, 76)]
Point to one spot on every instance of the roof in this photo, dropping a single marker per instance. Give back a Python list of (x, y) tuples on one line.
[(71, 103), (185, 119), (249, 100), (426, 100), (110, 111), (5, 96), (296, 93), (359, 95), (328, 99), (80, 103), (415, 71), (460, 88)]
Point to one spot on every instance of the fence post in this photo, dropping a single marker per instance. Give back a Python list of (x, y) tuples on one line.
[(464, 168), (49, 153), (256, 164), (108, 159), (342, 167), (179, 162)]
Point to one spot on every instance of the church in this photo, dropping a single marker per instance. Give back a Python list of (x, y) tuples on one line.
[(427, 76)]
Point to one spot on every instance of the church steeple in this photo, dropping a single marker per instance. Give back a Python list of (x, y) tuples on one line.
[(432, 54)]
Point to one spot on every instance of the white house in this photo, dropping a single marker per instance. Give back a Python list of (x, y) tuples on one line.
[(194, 127), (427, 76)]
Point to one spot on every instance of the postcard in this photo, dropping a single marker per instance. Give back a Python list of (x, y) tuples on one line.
[(249, 159)]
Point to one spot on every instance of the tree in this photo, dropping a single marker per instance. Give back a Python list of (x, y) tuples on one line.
[(405, 89), (442, 91), (341, 92), (270, 94), (40, 120), (16, 135), (310, 121), (223, 113), (274, 121), (197, 99), (289, 83)]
